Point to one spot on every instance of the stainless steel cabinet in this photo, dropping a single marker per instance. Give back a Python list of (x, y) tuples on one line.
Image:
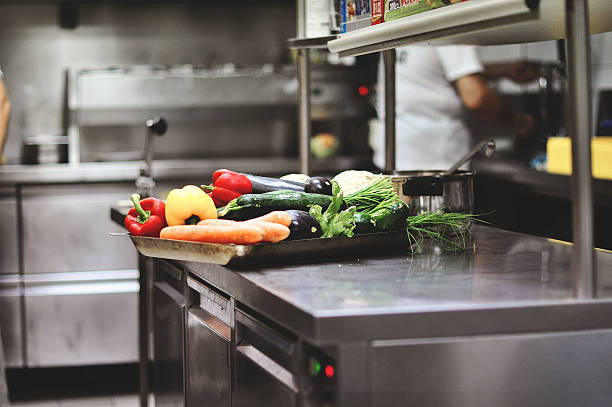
[(208, 346), (168, 344), (514, 370), (66, 228), (81, 318), (264, 365), (9, 236), (208, 364)]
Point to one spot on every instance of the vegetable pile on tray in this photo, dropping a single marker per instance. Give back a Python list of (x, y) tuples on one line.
[(247, 209)]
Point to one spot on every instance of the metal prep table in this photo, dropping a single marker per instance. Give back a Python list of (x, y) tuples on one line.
[(497, 326)]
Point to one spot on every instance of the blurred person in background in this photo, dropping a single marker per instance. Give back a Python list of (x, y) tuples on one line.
[(5, 112), (435, 86)]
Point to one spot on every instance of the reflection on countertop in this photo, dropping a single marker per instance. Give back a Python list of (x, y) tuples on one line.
[(510, 282)]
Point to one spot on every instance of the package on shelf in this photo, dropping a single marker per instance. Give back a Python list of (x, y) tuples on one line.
[(320, 19), (354, 14), (377, 8), (394, 9)]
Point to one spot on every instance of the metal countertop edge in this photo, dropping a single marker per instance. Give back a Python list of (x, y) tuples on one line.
[(120, 171), (353, 325)]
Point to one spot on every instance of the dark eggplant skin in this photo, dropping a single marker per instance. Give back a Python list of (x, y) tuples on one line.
[(303, 225), (319, 185), (260, 184)]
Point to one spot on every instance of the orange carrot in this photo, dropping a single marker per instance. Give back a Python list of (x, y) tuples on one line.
[(240, 233), (280, 217), (273, 232), (216, 222)]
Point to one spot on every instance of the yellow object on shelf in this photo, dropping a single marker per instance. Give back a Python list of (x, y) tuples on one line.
[(559, 156)]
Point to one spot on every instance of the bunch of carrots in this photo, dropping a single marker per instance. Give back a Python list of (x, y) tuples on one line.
[(272, 227)]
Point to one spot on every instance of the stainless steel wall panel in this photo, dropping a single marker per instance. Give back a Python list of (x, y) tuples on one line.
[(9, 236), (208, 361), (545, 370), (10, 320), (81, 323), (66, 228), (126, 33)]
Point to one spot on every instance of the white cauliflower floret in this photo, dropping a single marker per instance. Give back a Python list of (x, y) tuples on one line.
[(353, 180)]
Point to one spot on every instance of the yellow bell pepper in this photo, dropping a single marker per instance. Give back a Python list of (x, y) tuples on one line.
[(189, 205)]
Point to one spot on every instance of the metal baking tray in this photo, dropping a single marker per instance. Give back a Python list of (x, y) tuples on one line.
[(269, 253)]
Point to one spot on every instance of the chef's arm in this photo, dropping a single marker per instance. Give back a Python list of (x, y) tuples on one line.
[(5, 112), (522, 71), (487, 105)]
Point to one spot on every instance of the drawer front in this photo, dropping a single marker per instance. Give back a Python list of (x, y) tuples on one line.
[(66, 228), (208, 360), (81, 323), (9, 237)]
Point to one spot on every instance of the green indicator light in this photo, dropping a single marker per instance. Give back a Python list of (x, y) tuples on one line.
[(314, 367)]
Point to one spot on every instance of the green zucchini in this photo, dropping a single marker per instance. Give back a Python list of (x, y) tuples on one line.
[(390, 217), (249, 206)]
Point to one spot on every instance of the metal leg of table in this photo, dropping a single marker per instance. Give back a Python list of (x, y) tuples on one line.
[(144, 268), (579, 88)]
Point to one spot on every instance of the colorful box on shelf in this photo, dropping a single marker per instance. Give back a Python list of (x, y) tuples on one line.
[(354, 14), (395, 9), (559, 156)]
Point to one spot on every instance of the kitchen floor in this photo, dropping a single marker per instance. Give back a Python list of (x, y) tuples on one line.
[(85, 386)]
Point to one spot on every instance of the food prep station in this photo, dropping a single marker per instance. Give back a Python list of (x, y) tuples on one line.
[(494, 325), (514, 320)]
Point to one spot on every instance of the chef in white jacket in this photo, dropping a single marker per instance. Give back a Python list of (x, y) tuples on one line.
[(435, 86)]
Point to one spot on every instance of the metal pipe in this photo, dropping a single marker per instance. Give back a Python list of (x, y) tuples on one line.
[(579, 88), (389, 57), (304, 120)]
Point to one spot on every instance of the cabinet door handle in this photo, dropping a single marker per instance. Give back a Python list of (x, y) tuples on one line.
[(278, 372)]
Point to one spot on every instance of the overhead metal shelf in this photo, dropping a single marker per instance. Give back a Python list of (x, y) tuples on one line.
[(310, 43), (477, 22)]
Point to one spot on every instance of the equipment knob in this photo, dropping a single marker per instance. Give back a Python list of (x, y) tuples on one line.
[(159, 125)]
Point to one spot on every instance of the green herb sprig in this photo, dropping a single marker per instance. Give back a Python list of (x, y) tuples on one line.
[(449, 230), (378, 194), (333, 221)]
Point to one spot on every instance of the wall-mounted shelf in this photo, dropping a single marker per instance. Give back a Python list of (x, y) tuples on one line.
[(477, 22)]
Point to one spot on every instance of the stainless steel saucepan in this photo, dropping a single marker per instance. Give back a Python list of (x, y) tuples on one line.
[(426, 191)]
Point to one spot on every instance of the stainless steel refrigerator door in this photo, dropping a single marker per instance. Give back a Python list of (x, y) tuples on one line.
[(208, 360), (168, 346), (545, 370), (81, 318), (71, 226)]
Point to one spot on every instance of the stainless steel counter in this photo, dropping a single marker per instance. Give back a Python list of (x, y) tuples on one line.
[(510, 283), (118, 171)]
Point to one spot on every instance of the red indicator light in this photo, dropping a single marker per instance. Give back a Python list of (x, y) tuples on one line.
[(363, 91), (329, 371)]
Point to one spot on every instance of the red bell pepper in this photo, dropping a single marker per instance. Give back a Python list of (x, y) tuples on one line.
[(227, 185), (147, 217)]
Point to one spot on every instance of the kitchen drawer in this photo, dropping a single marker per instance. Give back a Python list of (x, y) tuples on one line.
[(9, 236), (81, 318), (66, 228), (10, 320)]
